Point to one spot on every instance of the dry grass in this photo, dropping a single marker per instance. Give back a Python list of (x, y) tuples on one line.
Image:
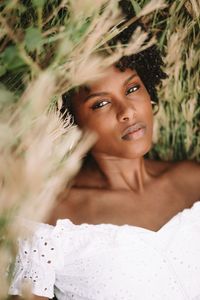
[(177, 125)]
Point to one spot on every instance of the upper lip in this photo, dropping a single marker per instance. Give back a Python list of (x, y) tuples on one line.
[(132, 128)]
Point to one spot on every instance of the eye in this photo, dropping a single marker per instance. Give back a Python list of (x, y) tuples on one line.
[(100, 104), (132, 89)]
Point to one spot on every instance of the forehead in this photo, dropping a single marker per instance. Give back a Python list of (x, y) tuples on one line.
[(110, 78)]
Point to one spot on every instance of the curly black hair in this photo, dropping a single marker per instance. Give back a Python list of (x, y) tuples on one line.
[(147, 63)]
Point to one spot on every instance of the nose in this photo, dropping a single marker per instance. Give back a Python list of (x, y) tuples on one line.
[(125, 112)]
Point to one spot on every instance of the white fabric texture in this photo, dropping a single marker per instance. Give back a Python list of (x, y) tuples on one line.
[(105, 261)]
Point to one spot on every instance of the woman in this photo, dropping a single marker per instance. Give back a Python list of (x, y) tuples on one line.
[(129, 228)]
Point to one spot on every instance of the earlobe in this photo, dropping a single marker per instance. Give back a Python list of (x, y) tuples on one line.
[(155, 107)]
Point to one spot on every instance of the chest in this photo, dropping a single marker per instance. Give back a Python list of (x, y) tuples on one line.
[(150, 209)]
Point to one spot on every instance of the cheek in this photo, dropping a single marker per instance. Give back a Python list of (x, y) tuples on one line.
[(149, 114), (145, 110), (101, 127), (149, 120), (80, 116), (98, 122), (85, 121)]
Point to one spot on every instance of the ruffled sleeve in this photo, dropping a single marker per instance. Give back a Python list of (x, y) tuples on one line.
[(36, 263)]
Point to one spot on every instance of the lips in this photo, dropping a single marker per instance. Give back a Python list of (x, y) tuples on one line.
[(134, 131)]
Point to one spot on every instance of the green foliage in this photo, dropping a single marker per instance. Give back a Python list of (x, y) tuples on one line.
[(38, 3), (10, 60), (136, 6), (33, 39)]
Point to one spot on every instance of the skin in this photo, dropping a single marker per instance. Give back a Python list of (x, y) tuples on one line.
[(119, 186), (108, 114)]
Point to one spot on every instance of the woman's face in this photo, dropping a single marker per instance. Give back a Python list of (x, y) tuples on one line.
[(118, 108)]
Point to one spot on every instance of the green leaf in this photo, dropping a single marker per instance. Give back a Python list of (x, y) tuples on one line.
[(2, 69), (38, 3), (10, 59), (33, 38), (136, 6)]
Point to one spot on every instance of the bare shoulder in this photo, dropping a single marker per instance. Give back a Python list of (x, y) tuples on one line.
[(62, 208), (186, 176), (73, 200), (157, 168), (184, 168), (187, 169), (183, 177)]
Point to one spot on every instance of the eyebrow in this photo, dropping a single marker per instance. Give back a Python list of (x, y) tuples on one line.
[(129, 78), (95, 95), (104, 93)]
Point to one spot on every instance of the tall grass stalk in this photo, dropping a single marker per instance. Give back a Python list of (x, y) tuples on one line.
[(177, 125)]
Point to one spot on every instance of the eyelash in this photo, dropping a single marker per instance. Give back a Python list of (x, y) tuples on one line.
[(135, 86), (100, 104)]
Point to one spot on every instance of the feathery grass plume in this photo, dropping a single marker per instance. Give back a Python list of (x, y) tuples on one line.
[(38, 159), (86, 63), (193, 7), (45, 46), (152, 6), (178, 121)]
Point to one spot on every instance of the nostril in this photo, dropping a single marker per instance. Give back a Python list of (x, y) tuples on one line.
[(125, 118), (126, 114)]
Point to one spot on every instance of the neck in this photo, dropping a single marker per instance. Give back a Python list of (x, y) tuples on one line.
[(123, 173)]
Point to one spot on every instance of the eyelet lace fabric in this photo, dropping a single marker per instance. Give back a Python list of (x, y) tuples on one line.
[(112, 262)]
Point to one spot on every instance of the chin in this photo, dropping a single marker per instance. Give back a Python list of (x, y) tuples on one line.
[(126, 149), (135, 151)]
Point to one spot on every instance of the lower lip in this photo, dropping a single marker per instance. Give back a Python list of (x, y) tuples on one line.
[(135, 135)]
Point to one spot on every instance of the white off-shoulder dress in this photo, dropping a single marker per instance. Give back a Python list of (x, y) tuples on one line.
[(107, 262)]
